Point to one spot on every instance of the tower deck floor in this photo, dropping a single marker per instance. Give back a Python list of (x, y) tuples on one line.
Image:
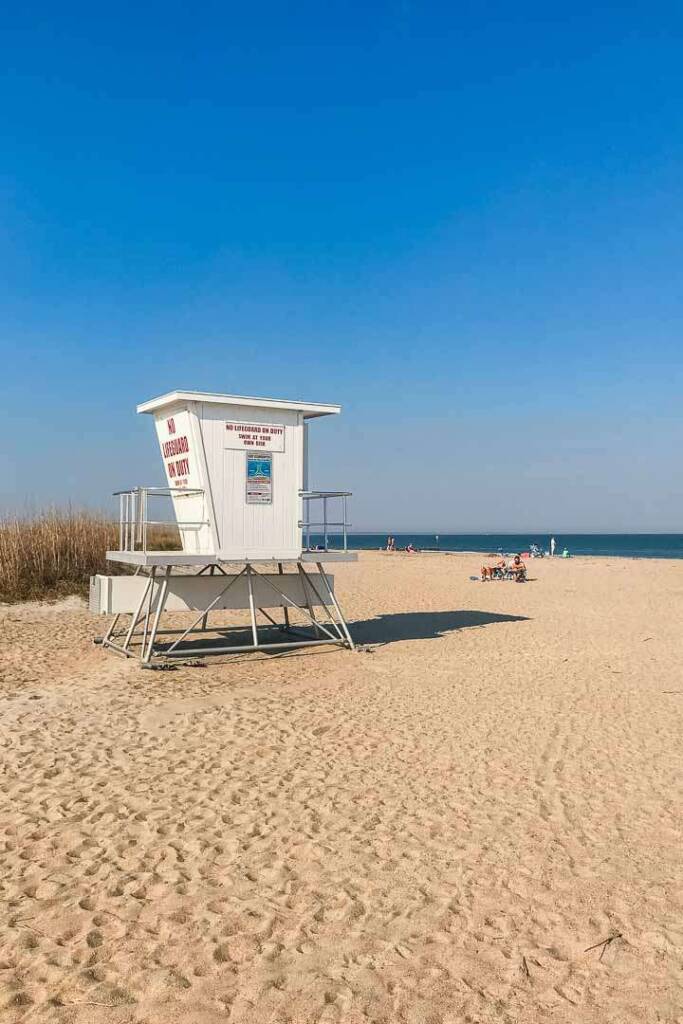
[(166, 558)]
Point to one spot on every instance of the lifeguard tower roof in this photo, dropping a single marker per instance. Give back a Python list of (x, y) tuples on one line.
[(308, 409)]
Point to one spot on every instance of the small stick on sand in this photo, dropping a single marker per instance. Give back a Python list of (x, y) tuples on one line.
[(604, 943), (110, 1005), (526, 968)]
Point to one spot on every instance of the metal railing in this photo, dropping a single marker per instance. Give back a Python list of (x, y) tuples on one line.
[(133, 518), (327, 524)]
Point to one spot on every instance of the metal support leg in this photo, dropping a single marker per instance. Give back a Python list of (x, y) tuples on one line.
[(292, 630), (206, 616), (270, 618), (212, 567), (293, 604), (163, 591), (315, 602), (136, 616), (110, 632), (206, 610), (285, 609), (336, 606), (322, 601), (107, 636), (304, 582), (145, 628), (252, 609)]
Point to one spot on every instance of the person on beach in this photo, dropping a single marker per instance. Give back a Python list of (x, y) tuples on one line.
[(552, 547), (518, 569)]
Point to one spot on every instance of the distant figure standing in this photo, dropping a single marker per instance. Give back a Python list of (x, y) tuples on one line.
[(552, 546)]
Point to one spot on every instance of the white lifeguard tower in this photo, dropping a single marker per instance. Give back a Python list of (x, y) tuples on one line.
[(237, 476)]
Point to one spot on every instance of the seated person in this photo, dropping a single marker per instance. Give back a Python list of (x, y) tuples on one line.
[(518, 569), (410, 549)]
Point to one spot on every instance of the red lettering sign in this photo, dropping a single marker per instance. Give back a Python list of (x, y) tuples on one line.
[(176, 446)]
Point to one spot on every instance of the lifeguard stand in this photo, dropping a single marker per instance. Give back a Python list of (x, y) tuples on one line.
[(237, 476)]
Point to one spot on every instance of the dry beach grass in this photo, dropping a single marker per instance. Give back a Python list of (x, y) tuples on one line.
[(52, 552), (434, 830), (55, 552)]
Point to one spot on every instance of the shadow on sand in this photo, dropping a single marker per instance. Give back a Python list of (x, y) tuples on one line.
[(385, 629), (389, 629)]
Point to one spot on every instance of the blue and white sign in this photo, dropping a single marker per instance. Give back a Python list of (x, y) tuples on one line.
[(259, 478)]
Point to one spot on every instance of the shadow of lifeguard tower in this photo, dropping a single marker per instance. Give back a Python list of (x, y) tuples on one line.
[(237, 476)]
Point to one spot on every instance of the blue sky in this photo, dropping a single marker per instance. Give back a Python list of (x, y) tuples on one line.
[(463, 222)]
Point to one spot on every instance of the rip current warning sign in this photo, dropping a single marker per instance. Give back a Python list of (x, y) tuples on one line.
[(259, 478)]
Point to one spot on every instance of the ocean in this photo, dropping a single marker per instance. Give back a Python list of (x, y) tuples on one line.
[(623, 545)]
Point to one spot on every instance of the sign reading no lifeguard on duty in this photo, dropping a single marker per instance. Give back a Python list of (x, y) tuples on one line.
[(268, 437)]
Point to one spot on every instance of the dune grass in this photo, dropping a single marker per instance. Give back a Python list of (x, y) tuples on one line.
[(53, 553)]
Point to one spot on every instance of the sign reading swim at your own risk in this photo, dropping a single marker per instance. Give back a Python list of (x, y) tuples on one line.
[(267, 436), (259, 479)]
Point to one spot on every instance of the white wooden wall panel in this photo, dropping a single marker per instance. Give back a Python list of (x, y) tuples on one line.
[(253, 531)]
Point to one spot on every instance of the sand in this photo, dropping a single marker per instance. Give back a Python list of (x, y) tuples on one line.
[(431, 830)]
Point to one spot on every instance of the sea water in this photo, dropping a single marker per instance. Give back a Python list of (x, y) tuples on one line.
[(623, 545)]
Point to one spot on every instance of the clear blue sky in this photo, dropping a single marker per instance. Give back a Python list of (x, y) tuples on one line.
[(463, 222)]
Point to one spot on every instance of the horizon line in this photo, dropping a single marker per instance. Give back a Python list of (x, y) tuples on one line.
[(517, 533)]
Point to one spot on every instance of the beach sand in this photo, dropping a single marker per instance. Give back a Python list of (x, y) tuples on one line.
[(430, 831)]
